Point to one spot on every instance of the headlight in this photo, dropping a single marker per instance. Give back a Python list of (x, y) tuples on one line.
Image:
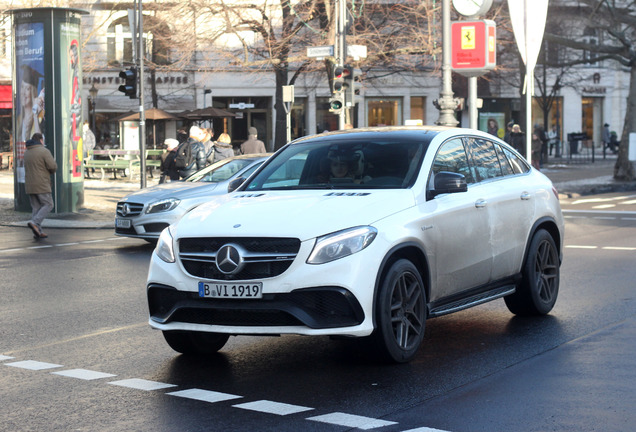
[(164, 248), (163, 205), (341, 244)]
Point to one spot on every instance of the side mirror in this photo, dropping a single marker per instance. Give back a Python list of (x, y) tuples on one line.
[(234, 184), (447, 182)]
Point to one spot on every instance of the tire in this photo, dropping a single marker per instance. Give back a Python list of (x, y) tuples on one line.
[(400, 313), (537, 292), (195, 343)]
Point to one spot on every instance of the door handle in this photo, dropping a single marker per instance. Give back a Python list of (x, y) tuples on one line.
[(525, 196), (480, 203)]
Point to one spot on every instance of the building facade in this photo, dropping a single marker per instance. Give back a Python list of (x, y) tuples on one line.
[(591, 96)]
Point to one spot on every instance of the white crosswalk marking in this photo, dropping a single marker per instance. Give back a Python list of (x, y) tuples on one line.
[(33, 365), (142, 384), (4, 357), (354, 421), (204, 395), (84, 374), (273, 407)]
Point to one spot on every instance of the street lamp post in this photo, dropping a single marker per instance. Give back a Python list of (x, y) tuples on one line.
[(92, 96)]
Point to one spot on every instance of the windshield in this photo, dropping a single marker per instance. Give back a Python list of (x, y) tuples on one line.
[(339, 163), (219, 171)]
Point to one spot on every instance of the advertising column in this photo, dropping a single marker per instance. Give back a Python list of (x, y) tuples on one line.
[(47, 99)]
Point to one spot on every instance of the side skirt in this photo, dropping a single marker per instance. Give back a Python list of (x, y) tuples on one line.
[(471, 298)]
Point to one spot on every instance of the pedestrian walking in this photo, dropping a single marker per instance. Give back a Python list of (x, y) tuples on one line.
[(88, 145), (191, 154), (536, 148), (518, 139), (606, 136), (253, 144), (168, 166), (223, 147), (38, 166)]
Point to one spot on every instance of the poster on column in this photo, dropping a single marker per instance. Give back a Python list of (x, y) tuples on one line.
[(29, 102), (70, 92)]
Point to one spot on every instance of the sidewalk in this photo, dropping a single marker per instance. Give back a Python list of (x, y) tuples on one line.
[(101, 197)]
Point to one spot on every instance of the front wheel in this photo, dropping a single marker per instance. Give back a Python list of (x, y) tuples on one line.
[(537, 292), (195, 343), (400, 312)]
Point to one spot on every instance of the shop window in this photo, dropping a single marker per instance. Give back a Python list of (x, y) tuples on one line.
[(418, 108), (384, 112)]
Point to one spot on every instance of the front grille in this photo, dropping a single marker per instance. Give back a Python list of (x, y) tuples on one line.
[(155, 228), (135, 209), (264, 257), (321, 307), (130, 231)]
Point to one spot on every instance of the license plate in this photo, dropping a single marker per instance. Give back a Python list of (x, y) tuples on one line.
[(252, 290), (122, 223)]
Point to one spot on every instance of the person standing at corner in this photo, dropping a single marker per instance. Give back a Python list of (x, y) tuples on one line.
[(168, 168), (252, 145), (88, 145), (38, 166)]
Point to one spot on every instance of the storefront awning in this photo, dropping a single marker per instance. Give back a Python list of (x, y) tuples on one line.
[(6, 99)]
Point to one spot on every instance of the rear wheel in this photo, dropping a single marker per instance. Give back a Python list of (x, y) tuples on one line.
[(537, 292), (400, 312), (193, 343)]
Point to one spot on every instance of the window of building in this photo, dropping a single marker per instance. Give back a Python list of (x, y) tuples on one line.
[(418, 108), (384, 112), (119, 42), (590, 37)]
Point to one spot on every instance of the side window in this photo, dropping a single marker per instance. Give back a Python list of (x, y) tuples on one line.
[(518, 165), (451, 157), (506, 167), (484, 157)]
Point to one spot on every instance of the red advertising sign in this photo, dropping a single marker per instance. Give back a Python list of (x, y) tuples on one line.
[(473, 46)]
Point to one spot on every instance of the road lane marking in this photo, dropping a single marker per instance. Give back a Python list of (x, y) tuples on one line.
[(60, 245), (620, 248), (604, 206), (349, 420), (89, 335), (581, 247), (33, 365), (611, 212), (142, 384), (204, 395), (264, 406), (84, 374), (424, 429), (271, 407)]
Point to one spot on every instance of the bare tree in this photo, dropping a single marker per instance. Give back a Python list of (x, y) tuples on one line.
[(614, 21)]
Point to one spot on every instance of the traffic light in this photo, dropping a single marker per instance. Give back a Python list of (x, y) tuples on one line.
[(129, 88), (336, 103), (353, 85), (338, 79)]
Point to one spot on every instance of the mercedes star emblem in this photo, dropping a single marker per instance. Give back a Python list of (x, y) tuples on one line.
[(228, 259)]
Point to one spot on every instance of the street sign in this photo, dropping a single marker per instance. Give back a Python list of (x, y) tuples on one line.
[(357, 51), (242, 105), (320, 51), (473, 46)]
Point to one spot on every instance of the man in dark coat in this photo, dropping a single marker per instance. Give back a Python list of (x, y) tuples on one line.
[(38, 167)]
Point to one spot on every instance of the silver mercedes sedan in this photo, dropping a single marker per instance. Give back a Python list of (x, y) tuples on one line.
[(145, 213)]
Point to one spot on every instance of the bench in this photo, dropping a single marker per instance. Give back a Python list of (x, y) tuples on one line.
[(8, 156), (116, 159)]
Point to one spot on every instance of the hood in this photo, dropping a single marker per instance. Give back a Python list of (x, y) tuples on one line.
[(181, 190), (301, 214)]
